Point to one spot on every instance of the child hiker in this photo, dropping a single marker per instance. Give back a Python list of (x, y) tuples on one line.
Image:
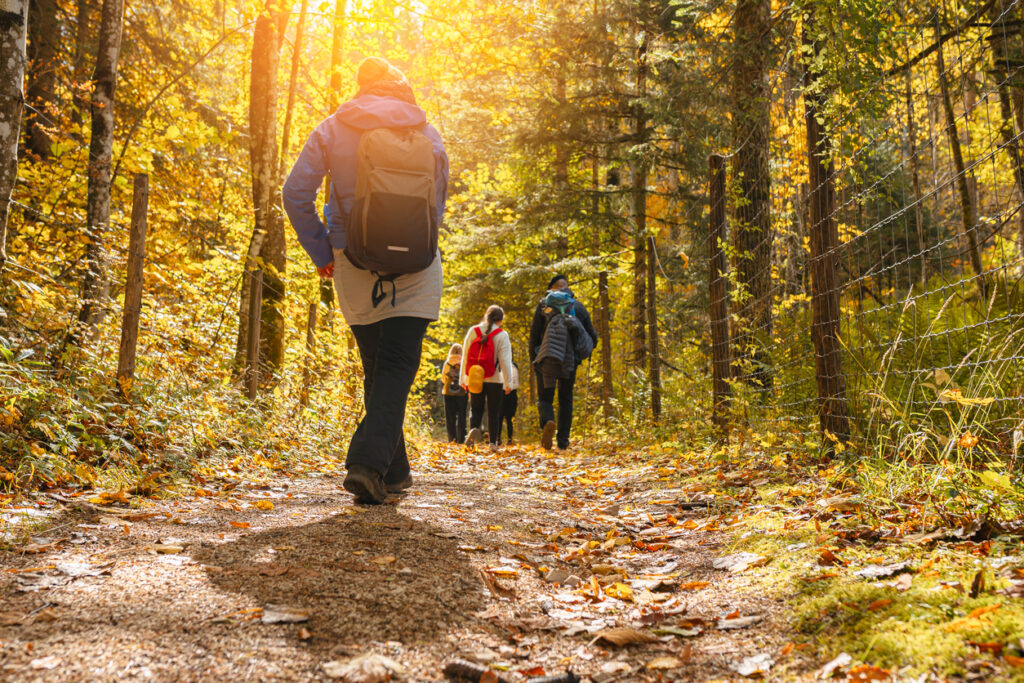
[(486, 368)]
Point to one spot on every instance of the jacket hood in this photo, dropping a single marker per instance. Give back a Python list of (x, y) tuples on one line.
[(374, 111)]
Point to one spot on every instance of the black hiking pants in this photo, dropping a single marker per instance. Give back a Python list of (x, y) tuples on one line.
[(390, 352), (546, 406), (455, 417), (493, 394)]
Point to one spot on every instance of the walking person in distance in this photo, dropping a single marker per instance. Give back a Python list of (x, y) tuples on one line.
[(486, 370), (455, 397), (510, 404), (561, 337), (389, 182)]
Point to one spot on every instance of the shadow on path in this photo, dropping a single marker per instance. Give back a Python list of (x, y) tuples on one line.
[(375, 575)]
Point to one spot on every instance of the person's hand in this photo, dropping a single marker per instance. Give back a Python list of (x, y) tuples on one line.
[(327, 272), (465, 387), (508, 390)]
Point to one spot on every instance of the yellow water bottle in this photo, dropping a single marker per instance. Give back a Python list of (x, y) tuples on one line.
[(476, 379)]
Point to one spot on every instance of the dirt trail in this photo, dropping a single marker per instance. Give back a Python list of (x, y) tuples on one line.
[(453, 569)]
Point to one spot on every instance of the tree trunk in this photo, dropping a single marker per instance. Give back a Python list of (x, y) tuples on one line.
[(333, 100), (605, 333), (268, 232), (44, 36), (752, 235), (561, 171), (832, 408), (1002, 64), (718, 294), (96, 283), (915, 177), (639, 199), (968, 210), (652, 328), (83, 10), (13, 18)]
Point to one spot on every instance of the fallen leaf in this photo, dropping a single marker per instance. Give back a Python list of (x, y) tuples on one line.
[(978, 611), (664, 663), (738, 562), (828, 558), (281, 614), (620, 591), (263, 505), (369, 668), (694, 585), (881, 603), (304, 633), (31, 582), (992, 648), (978, 584), (51, 662), (737, 623), (1014, 661), (755, 666), (786, 649), (834, 666), (883, 571), (680, 632), (622, 636), (533, 671), (239, 525), (867, 672)]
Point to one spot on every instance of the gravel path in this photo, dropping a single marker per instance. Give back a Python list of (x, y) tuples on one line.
[(525, 561)]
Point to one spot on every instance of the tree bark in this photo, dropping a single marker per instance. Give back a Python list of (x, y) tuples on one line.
[(652, 328), (1002, 67), (43, 40), (267, 246), (83, 10), (639, 199), (13, 20), (718, 293), (605, 333), (968, 210), (825, 331), (915, 177), (96, 283), (751, 101)]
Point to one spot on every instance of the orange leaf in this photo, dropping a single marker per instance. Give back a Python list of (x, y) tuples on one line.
[(694, 585), (1014, 661), (879, 604), (240, 525), (534, 671), (975, 613), (787, 648), (994, 648), (867, 672)]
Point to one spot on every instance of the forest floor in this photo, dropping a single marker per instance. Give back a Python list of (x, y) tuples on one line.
[(522, 562)]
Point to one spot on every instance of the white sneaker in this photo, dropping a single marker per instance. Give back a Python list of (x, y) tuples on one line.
[(475, 436)]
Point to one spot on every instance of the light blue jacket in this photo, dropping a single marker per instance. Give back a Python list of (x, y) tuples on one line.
[(332, 149)]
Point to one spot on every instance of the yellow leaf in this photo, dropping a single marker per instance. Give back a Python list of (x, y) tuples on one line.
[(263, 505), (619, 590)]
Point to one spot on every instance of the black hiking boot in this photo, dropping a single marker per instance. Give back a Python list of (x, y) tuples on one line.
[(548, 435), (400, 486), (365, 484)]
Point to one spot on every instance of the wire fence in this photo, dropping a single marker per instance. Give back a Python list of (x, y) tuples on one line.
[(901, 257)]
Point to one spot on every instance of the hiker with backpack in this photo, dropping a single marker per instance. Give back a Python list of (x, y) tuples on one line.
[(486, 370), (455, 397), (561, 337), (389, 182)]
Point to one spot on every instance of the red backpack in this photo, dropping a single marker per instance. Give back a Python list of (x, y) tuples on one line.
[(481, 352)]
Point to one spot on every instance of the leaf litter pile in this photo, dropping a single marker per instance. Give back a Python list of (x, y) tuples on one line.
[(510, 566)]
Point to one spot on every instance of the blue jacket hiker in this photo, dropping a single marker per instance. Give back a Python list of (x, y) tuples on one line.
[(561, 337), (388, 305)]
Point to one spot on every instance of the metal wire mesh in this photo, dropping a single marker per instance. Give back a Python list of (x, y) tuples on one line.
[(932, 345)]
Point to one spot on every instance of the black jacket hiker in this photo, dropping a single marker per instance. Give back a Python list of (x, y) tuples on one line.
[(552, 375)]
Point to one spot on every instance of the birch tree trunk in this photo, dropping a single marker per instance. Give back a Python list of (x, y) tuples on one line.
[(13, 18), (753, 236), (96, 283), (44, 36), (267, 245)]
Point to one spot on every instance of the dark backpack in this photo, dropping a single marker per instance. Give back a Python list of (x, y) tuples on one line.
[(392, 229), (481, 352), (454, 386), (561, 306)]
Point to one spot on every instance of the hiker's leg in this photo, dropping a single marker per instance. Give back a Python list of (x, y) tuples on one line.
[(545, 401), (476, 409), (565, 387), (508, 423), (494, 395), (391, 349), (450, 417), (461, 403)]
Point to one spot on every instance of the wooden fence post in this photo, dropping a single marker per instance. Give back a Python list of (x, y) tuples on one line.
[(133, 285), (252, 358), (310, 339), (824, 233), (721, 362)]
